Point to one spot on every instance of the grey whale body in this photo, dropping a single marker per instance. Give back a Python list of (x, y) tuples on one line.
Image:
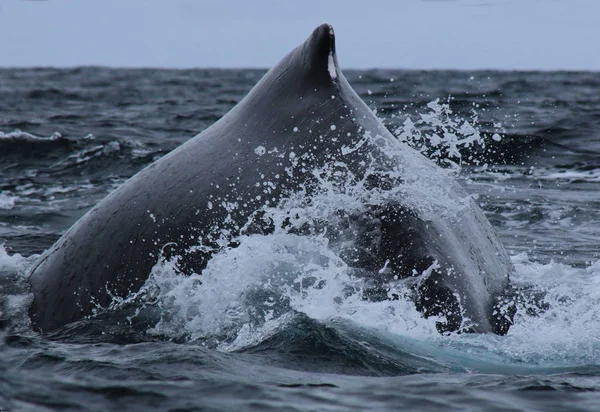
[(177, 203)]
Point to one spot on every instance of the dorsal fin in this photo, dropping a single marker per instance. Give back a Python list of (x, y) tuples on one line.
[(319, 52)]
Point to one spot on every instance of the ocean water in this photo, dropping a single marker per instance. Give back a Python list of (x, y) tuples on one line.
[(265, 328)]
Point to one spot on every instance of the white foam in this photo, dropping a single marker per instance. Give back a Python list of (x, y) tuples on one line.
[(566, 333), (7, 201), (14, 289), (246, 293), (19, 135), (592, 175)]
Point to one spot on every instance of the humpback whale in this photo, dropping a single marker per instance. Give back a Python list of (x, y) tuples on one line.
[(300, 118)]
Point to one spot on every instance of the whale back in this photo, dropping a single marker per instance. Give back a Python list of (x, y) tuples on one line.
[(301, 115)]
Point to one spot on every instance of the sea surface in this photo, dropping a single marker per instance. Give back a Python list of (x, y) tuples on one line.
[(525, 145)]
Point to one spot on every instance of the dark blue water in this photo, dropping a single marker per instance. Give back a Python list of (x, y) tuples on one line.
[(525, 144)]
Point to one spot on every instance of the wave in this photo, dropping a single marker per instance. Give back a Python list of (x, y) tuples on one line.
[(56, 154), (572, 174), (19, 136)]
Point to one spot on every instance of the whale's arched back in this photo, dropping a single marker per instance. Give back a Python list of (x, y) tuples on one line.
[(177, 201)]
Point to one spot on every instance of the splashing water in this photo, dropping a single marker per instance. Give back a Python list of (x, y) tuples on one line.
[(249, 292), (14, 290), (441, 135)]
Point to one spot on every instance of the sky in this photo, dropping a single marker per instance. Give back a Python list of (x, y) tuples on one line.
[(411, 34)]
